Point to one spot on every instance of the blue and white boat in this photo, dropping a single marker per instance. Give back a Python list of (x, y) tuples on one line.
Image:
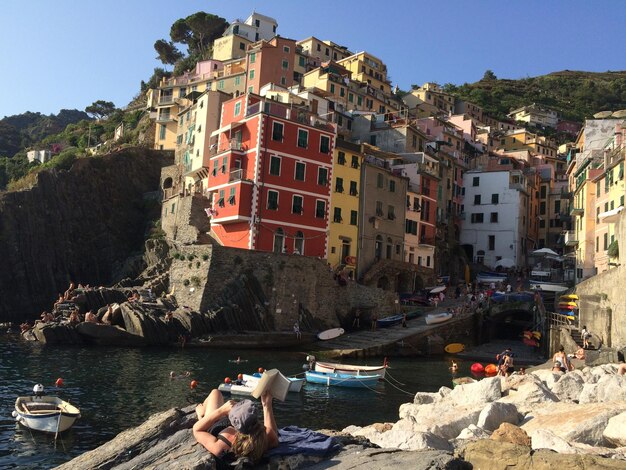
[(342, 380), (487, 277), (389, 321)]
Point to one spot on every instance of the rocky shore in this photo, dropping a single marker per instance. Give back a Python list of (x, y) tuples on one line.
[(541, 420)]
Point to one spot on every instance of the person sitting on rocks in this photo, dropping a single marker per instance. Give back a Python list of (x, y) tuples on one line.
[(556, 368), (107, 318), (74, 318), (562, 359), (233, 427), (69, 293), (90, 317)]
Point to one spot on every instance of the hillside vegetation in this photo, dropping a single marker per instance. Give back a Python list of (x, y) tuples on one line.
[(575, 95)]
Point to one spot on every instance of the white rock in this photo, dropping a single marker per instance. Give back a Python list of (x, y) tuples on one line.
[(473, 432), (615, 431), (494, 414), (569, 387), (443, 419), (528, 396), (545, 439), (409, 440), (589, 393), (548, 377), (611, 388), (423, 398), (514, 382), (481, 392)]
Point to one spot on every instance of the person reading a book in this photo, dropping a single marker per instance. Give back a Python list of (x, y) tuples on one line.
[(233, 427)]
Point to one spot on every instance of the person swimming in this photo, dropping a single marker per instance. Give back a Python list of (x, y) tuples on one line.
[(175, 376), (454, 367)]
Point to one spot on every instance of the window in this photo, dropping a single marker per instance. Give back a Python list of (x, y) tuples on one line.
[(303, 138), (301, 61), (353, 191), (272, 200), (339, 185), (283, 81), (332, 88), (477, 218), (477, 199), (494, 217), (300, 170), (359, 100), (410, 226), (597, 244), (337, 215), (353, 217), (238, 80), (391, 212), (542, 208), (242, 46), (298, 243), (492, 242), (162, 130), (342, 91), (231, 196), (543, 192), (351, 97), (252, 57), (324, 144), (605, 241), (341, 158), (220, 200), (322, 176), (296, 204), (220, 85), (237, 108), (380, 180), (320, 209), (250, 89), (285, 48), (285, 64), (277, 131), (251, 74), (392, 186), (275, 165), (372, 140), (279, 241), (476, 181), (557, 207), (355, 161), (379, 208), (495, 198)]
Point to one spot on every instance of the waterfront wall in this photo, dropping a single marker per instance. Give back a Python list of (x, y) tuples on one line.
[(270, 291), (603, 298), (78, 225)]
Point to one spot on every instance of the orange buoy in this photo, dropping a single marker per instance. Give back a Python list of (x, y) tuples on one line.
[(239, 376), (491, 369), (193, 384), (227, 380), (261, 370), (59, 382)]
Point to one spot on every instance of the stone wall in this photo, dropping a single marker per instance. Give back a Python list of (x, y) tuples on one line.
[(603, 299), (78, 225), (269, 291)]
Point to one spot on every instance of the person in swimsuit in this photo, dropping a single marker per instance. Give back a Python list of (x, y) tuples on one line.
[(234, 427), (562, 359)]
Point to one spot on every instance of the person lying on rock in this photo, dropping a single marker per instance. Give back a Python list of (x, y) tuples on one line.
[(233, 427)]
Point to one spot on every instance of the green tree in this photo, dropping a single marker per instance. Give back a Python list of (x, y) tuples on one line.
[(167, 52), (489, 75), (100, 109), (197, 32)]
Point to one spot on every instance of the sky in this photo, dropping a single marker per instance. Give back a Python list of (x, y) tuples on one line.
[(66, 54)]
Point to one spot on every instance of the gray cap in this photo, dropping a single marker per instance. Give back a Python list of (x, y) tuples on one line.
[(242, 416)]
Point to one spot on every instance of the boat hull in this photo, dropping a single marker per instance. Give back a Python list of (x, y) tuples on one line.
[(433, 319), (295, 384), (45, 414), (389, 321), (349, 369), (342, 380), (243, 389), (548, 286)]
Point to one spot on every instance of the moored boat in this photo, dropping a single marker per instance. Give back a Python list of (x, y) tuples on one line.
[(295, 384), (45, 413), (434, 318), (342, 380), (237, 388), (348, 369), (555, 287), (389, 321)]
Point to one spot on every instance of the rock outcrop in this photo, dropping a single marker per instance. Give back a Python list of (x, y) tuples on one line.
[(78, 225)]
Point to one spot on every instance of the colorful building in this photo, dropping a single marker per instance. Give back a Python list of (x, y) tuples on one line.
[(270, 174), (270, 62)]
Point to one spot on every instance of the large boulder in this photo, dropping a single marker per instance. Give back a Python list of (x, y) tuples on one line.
[(528, 396), (481, 392), (546, 439), (611, 388), (352, 457), (568, 387), (615, 431), (574, 422), (494, 414), (589, 393), (512, 434), (548, 377), (601, 356), (443, 419), (473, 432)]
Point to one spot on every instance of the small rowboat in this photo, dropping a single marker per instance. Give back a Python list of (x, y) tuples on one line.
[(235, 388), (45, 413), (330, 334), (350, 369), (295, 384), (342, 380), (434, 318), (389, 321)]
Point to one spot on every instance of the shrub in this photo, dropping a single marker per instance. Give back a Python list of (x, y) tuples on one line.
[(205, 257), (186, 282), (195, 281), (613, 250), (190, 257), (197, 264)]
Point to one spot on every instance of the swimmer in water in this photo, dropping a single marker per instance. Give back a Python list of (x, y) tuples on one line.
[(174, 376), (454, 367)]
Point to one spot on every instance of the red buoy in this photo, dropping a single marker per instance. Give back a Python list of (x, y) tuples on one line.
[(261, 370), (227, 380), (59, 382), (477, 368), (193, 384), (240, 377)]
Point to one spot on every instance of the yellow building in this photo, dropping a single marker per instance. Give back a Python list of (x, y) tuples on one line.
[(520, 139), (232, 78), (230, 47), (318, 51), (344, 206)]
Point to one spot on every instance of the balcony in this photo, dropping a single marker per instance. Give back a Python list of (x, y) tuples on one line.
[(164, 100), (236, 175), (570, 238), (165, 117), (231, 145), (576, 211)]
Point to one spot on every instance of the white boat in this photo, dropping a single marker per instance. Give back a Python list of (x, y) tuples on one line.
[(45, 413), (235, 388), (434, 318), (548, 286), (295, 384), (347, 369)]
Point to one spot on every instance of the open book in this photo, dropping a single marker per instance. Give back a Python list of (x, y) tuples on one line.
[(274, 382)]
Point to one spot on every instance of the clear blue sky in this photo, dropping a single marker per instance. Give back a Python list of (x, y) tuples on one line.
[(69, 53)]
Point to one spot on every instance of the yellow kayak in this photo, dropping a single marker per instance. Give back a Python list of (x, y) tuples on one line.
[(568, 297)]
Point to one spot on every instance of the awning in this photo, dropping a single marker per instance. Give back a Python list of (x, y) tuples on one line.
[(610, 217), (226, 128)]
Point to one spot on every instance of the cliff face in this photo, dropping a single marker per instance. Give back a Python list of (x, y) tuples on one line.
[(77, 225)]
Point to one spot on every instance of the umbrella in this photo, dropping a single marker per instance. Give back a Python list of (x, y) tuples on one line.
[(504, 263), (438, 289), (545, 251)]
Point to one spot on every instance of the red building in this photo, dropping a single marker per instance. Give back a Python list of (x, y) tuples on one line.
[(269, 175)]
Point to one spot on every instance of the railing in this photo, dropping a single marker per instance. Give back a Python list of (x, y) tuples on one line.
[(570, 238), (166, 99), (236, 175), (228, 146), (299, 115)]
